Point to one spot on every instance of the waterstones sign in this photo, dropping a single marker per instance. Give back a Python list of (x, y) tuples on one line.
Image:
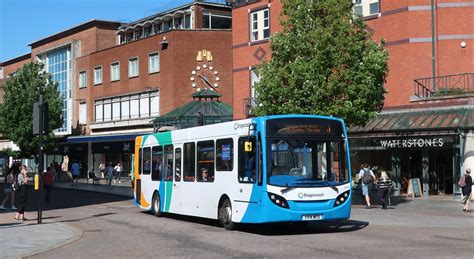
[(412, 143)]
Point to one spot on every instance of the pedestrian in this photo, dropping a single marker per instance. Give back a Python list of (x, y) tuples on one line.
[(47, 184), (102, 170), (76, 171), (467, 190), (110, 172), (118, 172), (366, 177), (9, 188), (23, 191), (384, 183)]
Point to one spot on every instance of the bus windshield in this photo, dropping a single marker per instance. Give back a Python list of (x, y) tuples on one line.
[(306, 153), (306, 163)]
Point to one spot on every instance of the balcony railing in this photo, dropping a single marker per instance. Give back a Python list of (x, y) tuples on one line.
[(249, 103), (444, 85)]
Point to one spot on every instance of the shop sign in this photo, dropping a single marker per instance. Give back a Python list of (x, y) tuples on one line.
[(412, 143)]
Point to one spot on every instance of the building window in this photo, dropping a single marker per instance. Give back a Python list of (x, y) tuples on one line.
[(83, 113), (157, 27), (82, 79), (178, 23), (133, 67), (260, 25), (98, 75), (147, 31), (254, 79), (214, 21), (374, 8), (127, 107), (115, 71), (366, 7), (187, 21), (154, 63), (1, 72)]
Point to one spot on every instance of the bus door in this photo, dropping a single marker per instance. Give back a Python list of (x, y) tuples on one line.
[(248, 167), (177, 188)]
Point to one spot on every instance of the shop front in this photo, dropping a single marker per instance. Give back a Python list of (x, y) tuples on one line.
[(434, 146)]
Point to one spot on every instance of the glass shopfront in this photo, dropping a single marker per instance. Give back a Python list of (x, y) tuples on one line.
[(432, 159)]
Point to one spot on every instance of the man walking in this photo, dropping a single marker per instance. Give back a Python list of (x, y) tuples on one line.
[(366, 177), (76, 171)]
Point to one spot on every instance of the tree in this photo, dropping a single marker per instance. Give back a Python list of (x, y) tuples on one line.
[(323, 62), (16, 112)]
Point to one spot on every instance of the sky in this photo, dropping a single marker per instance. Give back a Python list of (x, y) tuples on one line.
[(25, 21)]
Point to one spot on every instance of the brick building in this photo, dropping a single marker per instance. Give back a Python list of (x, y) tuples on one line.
[(429, 83), (116, 78)]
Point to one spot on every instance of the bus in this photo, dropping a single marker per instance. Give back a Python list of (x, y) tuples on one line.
[(280, 168)]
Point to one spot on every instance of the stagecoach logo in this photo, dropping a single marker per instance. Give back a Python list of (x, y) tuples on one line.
[(412, 143), (302, 195), (241, 125)]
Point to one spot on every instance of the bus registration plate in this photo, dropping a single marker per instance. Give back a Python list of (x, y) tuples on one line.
[(313, 217)]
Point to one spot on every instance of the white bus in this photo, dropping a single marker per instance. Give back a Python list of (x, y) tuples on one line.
[(265, 169)]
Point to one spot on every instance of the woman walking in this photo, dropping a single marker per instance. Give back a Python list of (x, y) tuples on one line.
[(467, 190), (384, 184), (9, 188), (22, 190)]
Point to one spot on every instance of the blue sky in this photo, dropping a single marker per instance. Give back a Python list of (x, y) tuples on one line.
[(25, 21)]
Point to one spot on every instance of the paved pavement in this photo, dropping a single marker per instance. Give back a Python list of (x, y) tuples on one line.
[(20, 239)]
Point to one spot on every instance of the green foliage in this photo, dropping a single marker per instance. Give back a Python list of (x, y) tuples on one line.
[(16, 113), (323, 62)]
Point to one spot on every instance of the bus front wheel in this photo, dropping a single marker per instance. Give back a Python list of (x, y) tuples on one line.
[(155, 206), (225, 215)]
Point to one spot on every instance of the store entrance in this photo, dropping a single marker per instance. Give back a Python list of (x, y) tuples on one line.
[(440, 170)]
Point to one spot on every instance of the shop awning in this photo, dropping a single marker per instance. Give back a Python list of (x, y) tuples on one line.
[(419, 120), (104, 138)]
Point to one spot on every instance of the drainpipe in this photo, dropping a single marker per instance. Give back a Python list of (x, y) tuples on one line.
[(433, 57)]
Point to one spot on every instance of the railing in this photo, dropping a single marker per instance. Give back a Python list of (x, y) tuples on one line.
[(249, 103), (444, 85)]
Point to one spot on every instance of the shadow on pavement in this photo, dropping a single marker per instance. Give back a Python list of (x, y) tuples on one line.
[(64, 198), (279, 229)]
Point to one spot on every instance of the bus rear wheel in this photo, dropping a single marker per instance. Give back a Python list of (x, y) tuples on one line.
[(225, 215), (155, 205)]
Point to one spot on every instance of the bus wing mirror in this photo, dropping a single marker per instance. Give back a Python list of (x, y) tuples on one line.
[(248, 146)]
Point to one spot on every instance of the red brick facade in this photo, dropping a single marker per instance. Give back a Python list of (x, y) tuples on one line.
[(406, 28)]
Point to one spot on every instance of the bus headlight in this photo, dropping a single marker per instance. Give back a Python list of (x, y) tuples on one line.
[(278, 200), (341, 198)]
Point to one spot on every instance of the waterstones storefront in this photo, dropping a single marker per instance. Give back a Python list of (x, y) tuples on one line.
[(432, 145)]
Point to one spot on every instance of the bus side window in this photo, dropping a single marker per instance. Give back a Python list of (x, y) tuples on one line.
[(189, 166), (140, 158), (224, 154), (247, 160), (157, 161), (205, 156), (146, 160), (177, 164), (168, 168)]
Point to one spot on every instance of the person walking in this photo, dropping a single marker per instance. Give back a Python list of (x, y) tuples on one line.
[(23, 191), (110, 172), (47, 184), (384, 183), (467, 190), (9, 188), (76, 171), (118, 172), (366, 177)]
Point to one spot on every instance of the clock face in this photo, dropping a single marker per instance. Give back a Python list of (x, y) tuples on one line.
[(205, 76)]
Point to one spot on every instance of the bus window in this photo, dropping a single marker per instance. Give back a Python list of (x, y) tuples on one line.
[(247, 160), (224, 154), (157, 161), (168, 168), (146, 160), (205, 161), (177, 165), (189, 173), (140, 158)]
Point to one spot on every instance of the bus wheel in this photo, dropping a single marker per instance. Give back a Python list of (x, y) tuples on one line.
[(155, 206), (225, 215)]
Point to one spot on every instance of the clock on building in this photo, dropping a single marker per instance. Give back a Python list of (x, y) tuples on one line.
[(205, 76)]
